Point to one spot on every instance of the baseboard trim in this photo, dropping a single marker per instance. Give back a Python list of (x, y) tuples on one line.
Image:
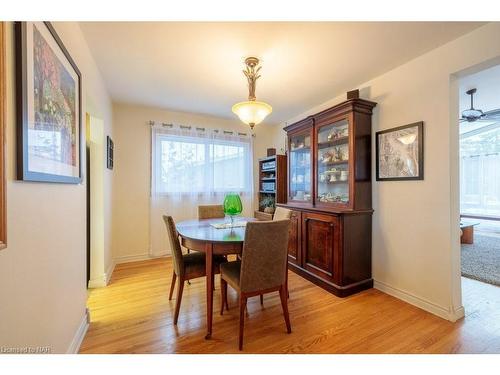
[(457, 314), (137, 258), (80, 333), (104, 279), (98, 282), (131, 258), (109, 271), (448, 314)]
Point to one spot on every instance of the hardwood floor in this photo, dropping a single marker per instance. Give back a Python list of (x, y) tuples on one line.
[(133, 315)]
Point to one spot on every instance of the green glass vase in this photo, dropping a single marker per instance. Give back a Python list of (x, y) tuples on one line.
[(232, 206)]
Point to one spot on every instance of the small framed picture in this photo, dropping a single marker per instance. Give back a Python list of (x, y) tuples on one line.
[(400, 153), (110, 152), (49, 114)]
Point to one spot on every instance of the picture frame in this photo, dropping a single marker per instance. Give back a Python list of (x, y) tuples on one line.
[(3, 119), (110, 147), (49, 107), (400, 153)]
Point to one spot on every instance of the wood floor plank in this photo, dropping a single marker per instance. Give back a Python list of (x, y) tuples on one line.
[(133, 315)]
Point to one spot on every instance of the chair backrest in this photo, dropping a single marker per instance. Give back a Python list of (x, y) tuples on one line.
[(211, 211), (264, 257), (282, 213), (173, 239)]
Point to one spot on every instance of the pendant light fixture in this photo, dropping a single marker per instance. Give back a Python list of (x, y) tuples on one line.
[(252, 112)]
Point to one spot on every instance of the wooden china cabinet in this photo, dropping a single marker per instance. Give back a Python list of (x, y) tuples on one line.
[(329, 193)]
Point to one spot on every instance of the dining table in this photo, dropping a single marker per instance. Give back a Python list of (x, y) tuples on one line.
[(201, 235)]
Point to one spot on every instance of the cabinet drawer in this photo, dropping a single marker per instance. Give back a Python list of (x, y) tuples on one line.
[(321, 245)]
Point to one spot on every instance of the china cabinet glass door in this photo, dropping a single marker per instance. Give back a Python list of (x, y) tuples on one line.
[(333, 163), (300, 167)]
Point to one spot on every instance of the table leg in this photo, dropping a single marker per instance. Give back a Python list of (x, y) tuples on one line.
[(210, 289), (468, 235)]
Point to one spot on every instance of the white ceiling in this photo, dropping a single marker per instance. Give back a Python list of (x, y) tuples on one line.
[(196, 67)]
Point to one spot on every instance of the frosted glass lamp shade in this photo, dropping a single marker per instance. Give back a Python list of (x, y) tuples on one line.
[(252, 112)]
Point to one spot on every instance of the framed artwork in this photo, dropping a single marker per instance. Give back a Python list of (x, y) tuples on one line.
[(110, 151), (49, 107), (400, 153), (3, 221)]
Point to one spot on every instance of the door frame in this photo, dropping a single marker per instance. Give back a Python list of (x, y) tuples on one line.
[(454, 108), (95, 205)]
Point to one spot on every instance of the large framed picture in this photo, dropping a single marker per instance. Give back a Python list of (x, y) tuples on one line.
[(3, 77), (49, 108), (400, 153)]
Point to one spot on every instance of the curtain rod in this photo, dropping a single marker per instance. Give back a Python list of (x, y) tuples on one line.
[(188, 127)]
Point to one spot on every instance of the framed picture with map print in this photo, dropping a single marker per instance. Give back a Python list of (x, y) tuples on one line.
[(400, 153), (49, 113)]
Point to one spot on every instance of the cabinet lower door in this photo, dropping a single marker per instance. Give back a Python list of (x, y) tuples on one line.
[(294, 239), (321, 245)]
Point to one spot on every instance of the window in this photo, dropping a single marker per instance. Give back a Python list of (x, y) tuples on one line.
[(190, 167), (480, 171), (200, 162)]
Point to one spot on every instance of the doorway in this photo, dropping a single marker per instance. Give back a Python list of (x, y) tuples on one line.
[(95, 201), (479, 186)]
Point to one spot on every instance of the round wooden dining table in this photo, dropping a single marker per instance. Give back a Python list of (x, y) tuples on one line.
[(201, 235)]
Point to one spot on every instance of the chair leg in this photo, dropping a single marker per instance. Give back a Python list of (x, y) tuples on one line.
[(261, 299), (243, 303), (172, 286), (286, 282), (188, 251), (223, 295), (179, 299), (284, 305)]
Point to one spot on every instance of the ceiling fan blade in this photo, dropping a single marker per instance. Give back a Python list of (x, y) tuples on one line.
[(492, 115)]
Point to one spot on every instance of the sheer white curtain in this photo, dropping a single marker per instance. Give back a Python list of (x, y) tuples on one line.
[(192, 166)]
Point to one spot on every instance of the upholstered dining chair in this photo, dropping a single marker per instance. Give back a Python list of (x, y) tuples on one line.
[(282, 213), (211, 211), (186, 266), (262, 268)]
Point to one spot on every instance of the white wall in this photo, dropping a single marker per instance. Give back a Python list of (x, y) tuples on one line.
[(132, 168), (42, 271), (415, 224)]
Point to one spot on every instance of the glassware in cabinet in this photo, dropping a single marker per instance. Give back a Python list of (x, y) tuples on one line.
[(300, 167), (333, 163)]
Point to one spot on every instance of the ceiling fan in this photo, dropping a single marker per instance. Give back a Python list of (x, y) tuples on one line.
[(472, 114)]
